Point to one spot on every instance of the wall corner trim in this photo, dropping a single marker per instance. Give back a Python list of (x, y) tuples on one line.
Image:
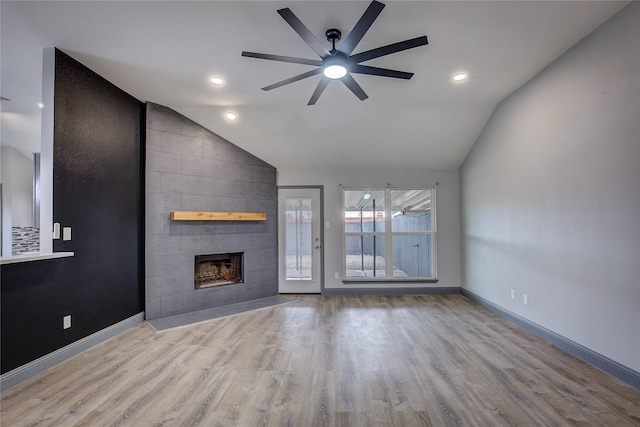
[(24, 372), (601, 362)]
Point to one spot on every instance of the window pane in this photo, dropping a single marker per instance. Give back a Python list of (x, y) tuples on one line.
[(360, 259), (364, 211), (411, 210), (412, 256), (298, 246)]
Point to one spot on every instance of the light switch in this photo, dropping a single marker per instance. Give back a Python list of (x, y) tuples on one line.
[(66, 233)]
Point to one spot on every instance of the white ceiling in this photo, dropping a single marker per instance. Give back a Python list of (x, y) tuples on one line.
[(165, 51)]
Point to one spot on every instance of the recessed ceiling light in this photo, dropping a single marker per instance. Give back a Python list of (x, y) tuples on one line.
[(216, 80), (40, 105), (231, 116), (459, 77)]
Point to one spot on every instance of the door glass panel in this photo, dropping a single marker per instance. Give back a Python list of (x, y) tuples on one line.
[(298, 238)]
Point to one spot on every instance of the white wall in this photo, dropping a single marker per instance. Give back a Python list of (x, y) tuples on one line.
[(17, 180), (550, 196), (447, 211)]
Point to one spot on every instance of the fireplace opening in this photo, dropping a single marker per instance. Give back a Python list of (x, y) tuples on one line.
[(218, 269)]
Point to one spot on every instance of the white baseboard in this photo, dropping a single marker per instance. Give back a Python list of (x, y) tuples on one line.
[(24, 372)]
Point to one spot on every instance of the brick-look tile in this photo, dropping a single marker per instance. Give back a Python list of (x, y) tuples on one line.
[(175, 304), (152, 266), (220, 295), (162, 118), (252, 226), (227, 188), (174, 265), (191, 203), (170, 183), (232, 170), (235, 242), (192, 185), (160, 245), (263, 174), (185, 228), (190, 245), (152, 308), (190, 128), (270, 207), (210, 244), (210, 204), (231, 204), (180, 144), (264, 240), (191, 165), (154, 140), (158, 203), (152, 182), (152, 224), (211, 168), (211, 149), (158, 161), (214, 229), (248, 190)]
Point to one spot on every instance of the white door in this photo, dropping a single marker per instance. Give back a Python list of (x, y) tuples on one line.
[(299, 240)]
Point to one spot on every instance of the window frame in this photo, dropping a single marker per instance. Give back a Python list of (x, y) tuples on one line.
[(388, 235)]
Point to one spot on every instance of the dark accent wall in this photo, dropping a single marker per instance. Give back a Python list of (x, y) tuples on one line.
[(98, 181), (190, 168)]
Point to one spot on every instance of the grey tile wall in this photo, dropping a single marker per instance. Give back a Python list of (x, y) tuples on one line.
[(190, 168)]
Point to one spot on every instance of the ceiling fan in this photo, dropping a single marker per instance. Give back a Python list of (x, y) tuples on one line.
[(339, 64)]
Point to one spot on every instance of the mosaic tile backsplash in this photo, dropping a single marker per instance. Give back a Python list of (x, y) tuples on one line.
[(25, 239)]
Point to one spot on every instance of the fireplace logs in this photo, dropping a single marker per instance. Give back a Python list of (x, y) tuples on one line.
[(217, 270)]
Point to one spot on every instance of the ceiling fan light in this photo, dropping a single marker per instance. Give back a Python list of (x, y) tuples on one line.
[(335, 71)]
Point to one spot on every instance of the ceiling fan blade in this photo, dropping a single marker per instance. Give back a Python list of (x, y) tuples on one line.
[(354, 37), (316, 62), (388, 49), (322, 85), (351, 83), (293, 79), (375, 71), (304, 32)]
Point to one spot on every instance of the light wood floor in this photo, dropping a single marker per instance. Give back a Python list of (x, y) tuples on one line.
[(334, 361)]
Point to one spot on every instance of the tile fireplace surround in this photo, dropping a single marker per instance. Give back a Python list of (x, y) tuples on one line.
[(189, 168)]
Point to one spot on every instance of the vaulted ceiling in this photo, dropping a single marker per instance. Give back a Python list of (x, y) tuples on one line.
[(165, 52)]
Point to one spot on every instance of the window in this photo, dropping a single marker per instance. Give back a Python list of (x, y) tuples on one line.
[(389, 234)]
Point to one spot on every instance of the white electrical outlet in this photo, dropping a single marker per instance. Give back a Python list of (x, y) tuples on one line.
[(66, 233), (525, 299), (66, 322), (513, 294), (336, 275)]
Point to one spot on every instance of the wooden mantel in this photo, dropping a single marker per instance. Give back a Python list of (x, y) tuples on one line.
[(217, 216)]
